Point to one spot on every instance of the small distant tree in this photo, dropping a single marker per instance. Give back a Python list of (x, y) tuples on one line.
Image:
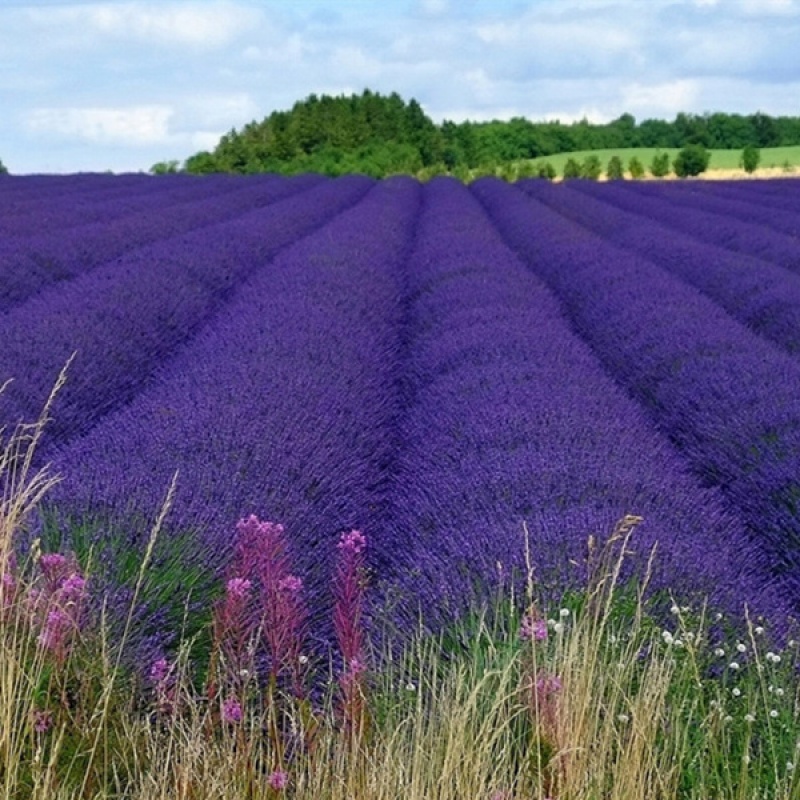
[(636, 168), (659, 166), (572, 169), (3, 170), (615, 170), (165, 168), (691, 160), (750, 158), (546, 171), (591, 169)]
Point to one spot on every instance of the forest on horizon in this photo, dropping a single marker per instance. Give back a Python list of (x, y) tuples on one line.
[(380, 135)]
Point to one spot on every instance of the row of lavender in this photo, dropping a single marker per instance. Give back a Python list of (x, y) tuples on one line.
[(377, 356), (125, 316), (27, 205), (29, 263), (724, 394)]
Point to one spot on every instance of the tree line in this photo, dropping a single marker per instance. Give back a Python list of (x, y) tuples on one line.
[(383, 134)]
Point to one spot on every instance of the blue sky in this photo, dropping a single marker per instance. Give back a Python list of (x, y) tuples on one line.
[(121, 84)]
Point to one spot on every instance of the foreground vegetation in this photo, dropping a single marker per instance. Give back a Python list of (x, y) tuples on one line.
[(597, 696)]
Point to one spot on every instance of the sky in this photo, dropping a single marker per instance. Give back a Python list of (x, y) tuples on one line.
[(122, 84)]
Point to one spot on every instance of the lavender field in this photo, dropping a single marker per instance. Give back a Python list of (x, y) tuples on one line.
[(432, 364)]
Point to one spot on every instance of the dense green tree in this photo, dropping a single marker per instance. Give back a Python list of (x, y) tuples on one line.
[(657, 133), (165, 168), (3, 170), (765, 131), (623, 132), (202, 163), (546, 171), (615, 171), (750, 158), (636, 168), (691, 160), (659, 166), (591, 169), (572, 169)]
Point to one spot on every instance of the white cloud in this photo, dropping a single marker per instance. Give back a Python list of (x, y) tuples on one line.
[(434, 7), (136, 126), (210, 111), (286, 50), (204, 140), (353, 59), (590, 114), (462, 114), (191, 23), (661, 98), (779, 7)]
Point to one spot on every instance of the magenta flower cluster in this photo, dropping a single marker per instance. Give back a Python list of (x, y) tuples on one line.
[(533, 628), (57, 606), (278, 614)]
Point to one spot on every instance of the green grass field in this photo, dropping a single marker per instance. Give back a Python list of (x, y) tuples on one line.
[(787, 158)]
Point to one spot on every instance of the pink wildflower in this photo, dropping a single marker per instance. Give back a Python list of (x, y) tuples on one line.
[(533, 628), (549, 684), (161, 674), (42, 721), (290, 583), (278, 780), (238, 588), (54, 567), (355, 542), (72, 590), (231, 710), (349, 588), (159, 670), (262, 551), (55, 632), (234, 625)]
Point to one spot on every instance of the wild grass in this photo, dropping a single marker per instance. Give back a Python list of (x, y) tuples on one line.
[(595, 698)]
